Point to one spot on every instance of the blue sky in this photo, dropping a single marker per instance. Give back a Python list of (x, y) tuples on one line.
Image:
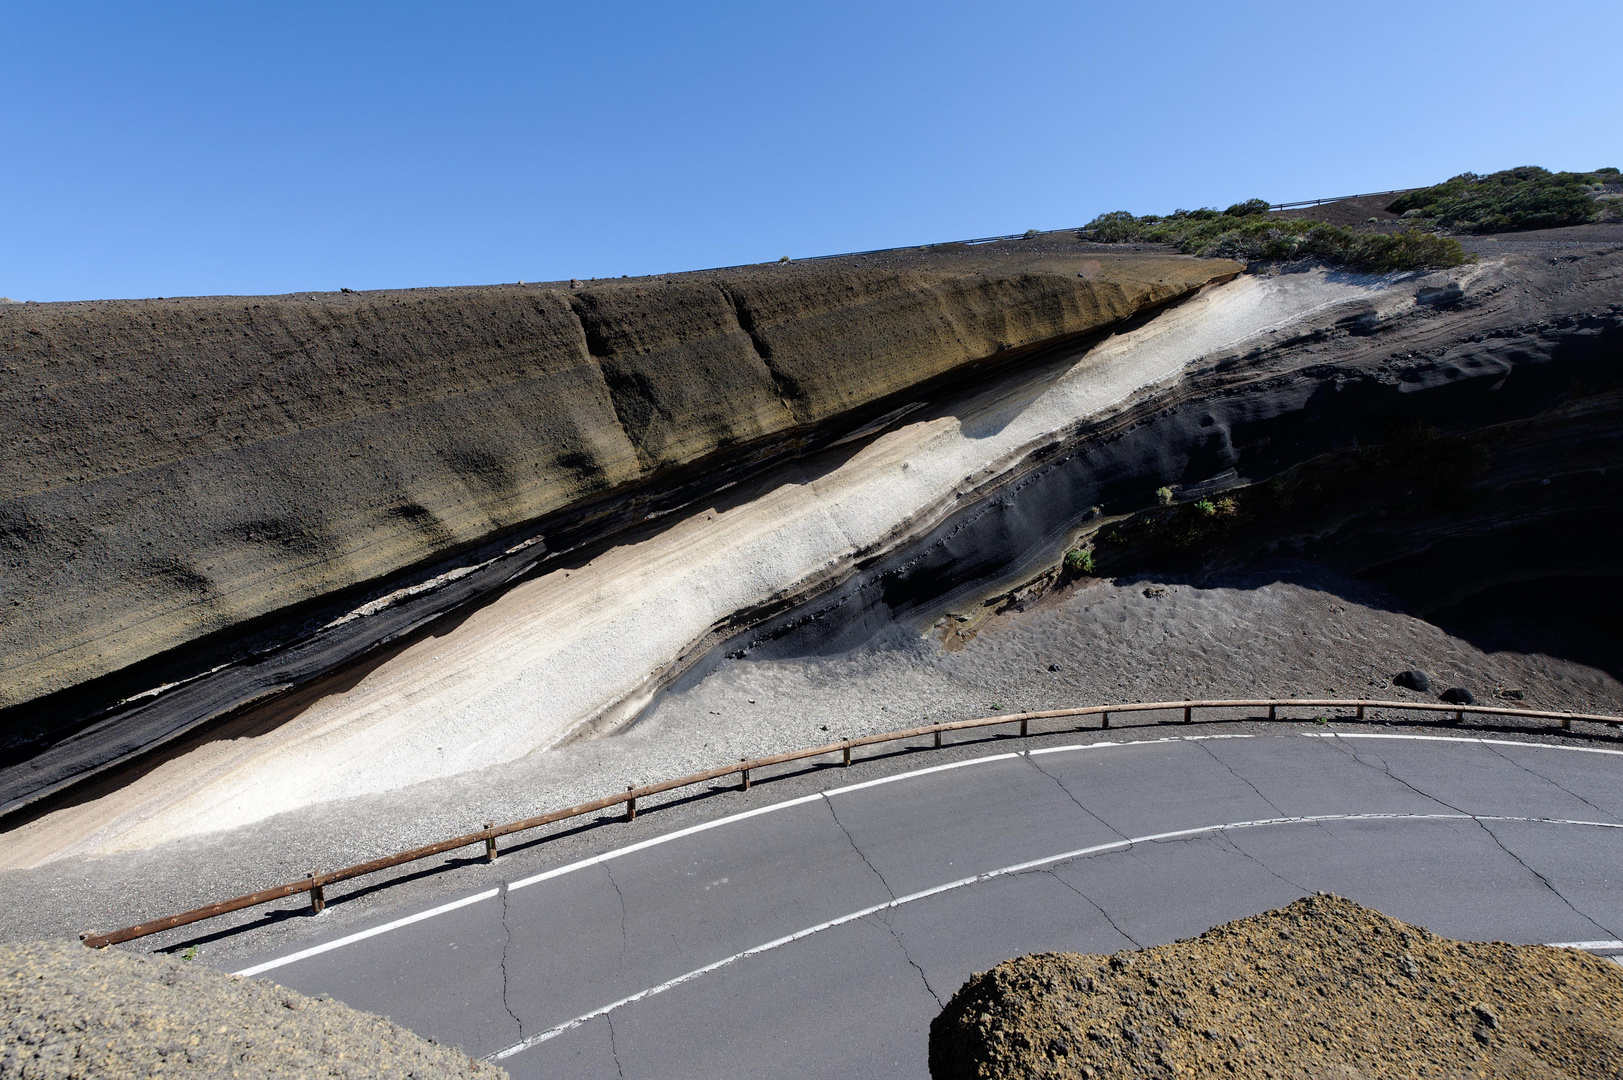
[(169, 149)]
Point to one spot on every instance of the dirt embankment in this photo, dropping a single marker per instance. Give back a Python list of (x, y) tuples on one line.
[(67, 1012), (176, 468), (1322, 988)]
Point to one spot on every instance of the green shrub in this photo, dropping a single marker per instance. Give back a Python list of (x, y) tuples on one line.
[(1164, 496), (1248, 208), (1029, 233), (1253, 236), (1080, 561), (1524, 198)]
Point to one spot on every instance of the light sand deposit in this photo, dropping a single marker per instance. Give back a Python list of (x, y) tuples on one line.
[(583, 645)]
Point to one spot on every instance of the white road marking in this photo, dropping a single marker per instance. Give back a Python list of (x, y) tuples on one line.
[(655, 841), (909, 775), (919, 772), (339, 943), (1455, 738), (1587, 946), (1033, 864)]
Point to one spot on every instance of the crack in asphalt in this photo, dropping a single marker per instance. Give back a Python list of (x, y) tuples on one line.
[(1243, 853), (1386, 769), (1072, 796), (885, 919), (1556, 783), (1206, 746), (853, 842), (624, 934), (1096, 905), (614, 1046), (1548, 884), (507, 942)]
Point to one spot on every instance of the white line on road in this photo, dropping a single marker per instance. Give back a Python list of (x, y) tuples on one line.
[(1455, 738), (364, 934), (1033, 864), (642, 845)]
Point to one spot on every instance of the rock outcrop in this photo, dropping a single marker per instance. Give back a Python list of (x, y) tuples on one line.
[(180, 468), (1323, 987)]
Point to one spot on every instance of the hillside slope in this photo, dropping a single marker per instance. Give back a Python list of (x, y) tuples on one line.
[(178, 468)]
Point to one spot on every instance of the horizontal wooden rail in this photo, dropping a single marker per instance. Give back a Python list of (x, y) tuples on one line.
[(315, 883)]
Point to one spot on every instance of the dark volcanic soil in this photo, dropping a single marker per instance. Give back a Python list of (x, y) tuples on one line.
[(1322, 988)]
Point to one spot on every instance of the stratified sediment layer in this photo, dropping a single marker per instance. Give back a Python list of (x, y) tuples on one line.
[(585, 644), (176, 468)]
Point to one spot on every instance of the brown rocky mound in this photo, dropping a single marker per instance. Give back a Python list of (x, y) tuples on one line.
[(70, 1012), (1322, 988), (176, 468)]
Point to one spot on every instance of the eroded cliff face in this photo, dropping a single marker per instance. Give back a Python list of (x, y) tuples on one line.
[(177, 468)]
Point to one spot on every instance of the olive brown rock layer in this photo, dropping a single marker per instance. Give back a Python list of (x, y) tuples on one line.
[(177, 468), (1322, 988)]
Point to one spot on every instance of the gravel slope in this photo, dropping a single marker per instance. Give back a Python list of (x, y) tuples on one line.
[(1322, 988), (68, 1012)]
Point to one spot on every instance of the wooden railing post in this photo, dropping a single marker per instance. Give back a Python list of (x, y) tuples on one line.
[(490, 843), (1360, 710), (1273, 711), (1022, 727), (1105, 718), (318, 895), (631, 804), (847, 761), (938, 738), (1189, 714), (746, 773)]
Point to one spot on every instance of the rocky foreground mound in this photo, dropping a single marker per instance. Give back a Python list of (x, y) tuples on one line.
[(66, 1011), (1322, 988)]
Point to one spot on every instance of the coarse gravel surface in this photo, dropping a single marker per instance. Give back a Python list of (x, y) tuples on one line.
[(70, 1012), (1321, 988)]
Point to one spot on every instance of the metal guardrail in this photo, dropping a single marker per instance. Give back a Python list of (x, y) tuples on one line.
[(315, 884), (1338, 198)]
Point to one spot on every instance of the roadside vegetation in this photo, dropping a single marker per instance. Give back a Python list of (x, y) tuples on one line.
[(1524, 198), (1246, 231)]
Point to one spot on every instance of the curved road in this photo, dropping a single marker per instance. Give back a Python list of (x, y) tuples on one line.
[(819, 935)]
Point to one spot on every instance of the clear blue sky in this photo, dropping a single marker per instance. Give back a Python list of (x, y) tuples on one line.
[(169, 148)]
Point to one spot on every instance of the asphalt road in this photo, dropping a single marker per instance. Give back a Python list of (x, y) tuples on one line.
[(816, 937)]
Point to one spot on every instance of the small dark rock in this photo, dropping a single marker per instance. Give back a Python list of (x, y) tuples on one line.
[(1510, 694), (1444, 296), (1413, 679), (1059, 1047), (1053, 667), (1457, 695), (1362, 324)]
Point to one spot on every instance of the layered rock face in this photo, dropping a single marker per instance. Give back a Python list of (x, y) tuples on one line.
[(177, 468)]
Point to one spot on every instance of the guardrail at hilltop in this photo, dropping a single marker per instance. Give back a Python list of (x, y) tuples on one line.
[(315, 884)]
